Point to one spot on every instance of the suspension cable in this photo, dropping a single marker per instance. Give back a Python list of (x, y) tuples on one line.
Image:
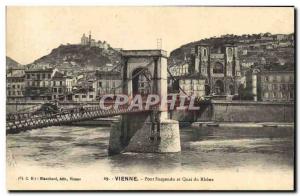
[(174, 79), (135, 75)]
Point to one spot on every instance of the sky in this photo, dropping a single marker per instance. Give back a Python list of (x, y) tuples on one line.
[(32, 32)]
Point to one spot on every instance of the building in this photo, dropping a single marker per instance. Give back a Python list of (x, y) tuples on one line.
[(70, 82), (58, 84), (84, 40), (38, 83), (220, 68), (84, 88), (277, 86), (192, 85), (108, 83), (89, 41), (83, 95), (281, 37), (15, 85), (180, 70)]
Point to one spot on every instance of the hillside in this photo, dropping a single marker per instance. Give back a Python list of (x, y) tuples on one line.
[(79, 56), (12, 64), (271, 52)]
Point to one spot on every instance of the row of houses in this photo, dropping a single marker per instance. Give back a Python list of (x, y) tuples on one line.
[(218, 73), (52, 84), (275, 86)]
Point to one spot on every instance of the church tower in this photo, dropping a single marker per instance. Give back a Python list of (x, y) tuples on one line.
[(202, 59), (232, 61), (229, 60), (83, 40), (90, 38)]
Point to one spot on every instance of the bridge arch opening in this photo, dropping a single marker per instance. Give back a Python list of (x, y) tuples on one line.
[(141, 81)]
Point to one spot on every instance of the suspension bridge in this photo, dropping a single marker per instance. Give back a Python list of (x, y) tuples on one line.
[(145, 129), (48, 115)]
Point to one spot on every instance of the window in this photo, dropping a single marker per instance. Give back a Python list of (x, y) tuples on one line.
[(273, 95), (18, 86), (271, 78), (100, 84), (83, 96), (270, 86), (218, 68), (28, 76), (59, 90), (55, 90), (91, 96), (267, 78), (43, 76), (60, 83), (19, 93), (204, 52), (13, 86), (76, 96), (291, 95), (278, 78), (229, 51), (266, 95)]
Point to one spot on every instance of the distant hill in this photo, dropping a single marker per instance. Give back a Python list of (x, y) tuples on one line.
[(273, 52), (79, 56), (12, 64)]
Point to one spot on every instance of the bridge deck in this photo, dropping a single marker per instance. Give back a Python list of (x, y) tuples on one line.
[(25, 121)]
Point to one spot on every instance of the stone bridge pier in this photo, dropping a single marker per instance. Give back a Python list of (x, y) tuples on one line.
[(145, 72)]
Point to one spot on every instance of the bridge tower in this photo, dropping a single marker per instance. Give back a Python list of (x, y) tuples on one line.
[(145, 72)]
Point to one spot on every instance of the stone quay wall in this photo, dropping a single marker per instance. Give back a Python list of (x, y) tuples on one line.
[(238, 111)]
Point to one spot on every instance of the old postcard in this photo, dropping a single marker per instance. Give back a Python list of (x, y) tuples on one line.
[(150, 98)]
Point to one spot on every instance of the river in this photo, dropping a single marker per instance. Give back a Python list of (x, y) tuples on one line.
[(264, 150)]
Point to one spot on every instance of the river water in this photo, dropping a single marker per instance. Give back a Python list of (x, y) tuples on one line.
[(202, 148)]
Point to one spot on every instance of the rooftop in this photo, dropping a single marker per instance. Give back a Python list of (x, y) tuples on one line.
[(15, 74)]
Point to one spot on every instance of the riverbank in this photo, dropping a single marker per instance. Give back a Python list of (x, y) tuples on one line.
[(242, 124), (102, 122)]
